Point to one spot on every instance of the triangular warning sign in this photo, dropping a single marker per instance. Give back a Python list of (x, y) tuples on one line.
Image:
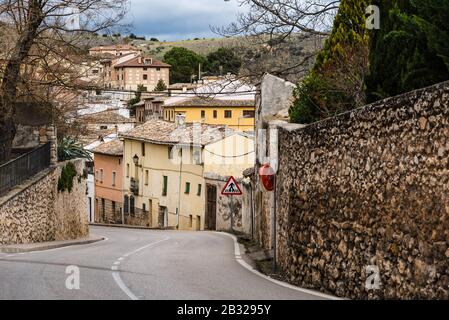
[(231, 188)]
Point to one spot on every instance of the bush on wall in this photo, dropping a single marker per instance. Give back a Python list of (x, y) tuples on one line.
[(65, 181)]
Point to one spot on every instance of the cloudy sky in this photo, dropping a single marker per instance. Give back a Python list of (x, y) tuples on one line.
[(181, 19)]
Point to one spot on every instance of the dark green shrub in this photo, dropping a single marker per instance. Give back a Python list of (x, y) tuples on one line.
[(65, 181)]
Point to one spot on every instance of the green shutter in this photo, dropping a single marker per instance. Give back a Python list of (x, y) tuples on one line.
[(187, 187), (199, 189), (164, 190)]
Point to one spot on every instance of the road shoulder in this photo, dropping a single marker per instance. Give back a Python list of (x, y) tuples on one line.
[(42, 246)]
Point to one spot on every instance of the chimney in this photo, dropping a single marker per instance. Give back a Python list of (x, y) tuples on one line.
[(180, 120)]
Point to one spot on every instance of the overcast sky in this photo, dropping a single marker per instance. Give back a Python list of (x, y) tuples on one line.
[(180, 19)]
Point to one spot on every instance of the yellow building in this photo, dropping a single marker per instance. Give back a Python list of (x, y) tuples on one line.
[(164, 166), (236, 114)]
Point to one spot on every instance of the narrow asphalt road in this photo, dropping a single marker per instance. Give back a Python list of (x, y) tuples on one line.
[(139, 264)]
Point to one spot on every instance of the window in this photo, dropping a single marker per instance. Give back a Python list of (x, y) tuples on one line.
[(101, 175), (197, 156), (126, 204), (103, 208), (203, 114), (215, 114), (114, 174), (200, 186), (170, 153), (132, 209), (145, 69), (146, 177), (228, 114), (190, 221), (96, 176), (144, 207), (103, 127), (143, 149), (165, 186), (145, 77), (249, 114), (127, 170), (113, 206), (187, 188), (158, 69)]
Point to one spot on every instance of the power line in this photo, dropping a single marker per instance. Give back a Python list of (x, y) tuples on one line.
[(222, 156)]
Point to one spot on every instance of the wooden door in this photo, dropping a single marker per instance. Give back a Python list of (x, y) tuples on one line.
[(211, 207)]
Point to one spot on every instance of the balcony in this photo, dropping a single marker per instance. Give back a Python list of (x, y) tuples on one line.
[(134, 186)]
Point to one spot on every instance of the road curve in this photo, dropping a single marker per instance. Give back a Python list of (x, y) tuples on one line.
[(140, 264)]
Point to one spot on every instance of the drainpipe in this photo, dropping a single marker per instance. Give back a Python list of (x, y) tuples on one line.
[(178, 210)]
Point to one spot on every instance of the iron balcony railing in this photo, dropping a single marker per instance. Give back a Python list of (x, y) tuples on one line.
[(16, 171)]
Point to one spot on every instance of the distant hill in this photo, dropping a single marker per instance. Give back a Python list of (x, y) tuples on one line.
[(258, 58), (200, 46)]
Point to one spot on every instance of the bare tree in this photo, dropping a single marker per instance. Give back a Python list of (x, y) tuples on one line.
[(42, 40), (274, 29)]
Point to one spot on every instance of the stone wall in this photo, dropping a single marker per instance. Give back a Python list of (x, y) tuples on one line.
[(271, 106), (235, 209), (369, 188), (36, 212)]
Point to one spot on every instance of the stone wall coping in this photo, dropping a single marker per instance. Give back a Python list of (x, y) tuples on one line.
[(366, 108), (17, 190), (216, 177)]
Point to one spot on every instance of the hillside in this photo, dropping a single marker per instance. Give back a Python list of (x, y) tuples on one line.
[(201, 46)]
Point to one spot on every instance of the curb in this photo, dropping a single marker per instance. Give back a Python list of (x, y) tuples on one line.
[(24, 248), (127, 226), (246, 265)]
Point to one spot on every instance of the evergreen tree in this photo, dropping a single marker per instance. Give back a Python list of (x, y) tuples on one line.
[(411, 49), (160, 86), (184, 64), (336, 83), (223, 61)]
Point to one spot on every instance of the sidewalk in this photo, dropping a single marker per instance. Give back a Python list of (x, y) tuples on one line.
[(29, 247)]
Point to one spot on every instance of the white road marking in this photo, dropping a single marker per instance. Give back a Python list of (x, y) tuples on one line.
[(238, 258), (116, 272)]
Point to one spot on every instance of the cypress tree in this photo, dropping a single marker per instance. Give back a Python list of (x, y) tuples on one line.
[(411, 49), (326, 91)]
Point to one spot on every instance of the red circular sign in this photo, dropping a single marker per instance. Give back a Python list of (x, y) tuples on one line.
[(267, 175)]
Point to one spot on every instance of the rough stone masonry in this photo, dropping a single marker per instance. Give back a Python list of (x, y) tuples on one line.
[(37, 212), (369, 188)]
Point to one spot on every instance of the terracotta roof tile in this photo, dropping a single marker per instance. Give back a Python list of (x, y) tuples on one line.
[(106, 116), (139, 62), (198, 102), (164, 132), (113, 148)]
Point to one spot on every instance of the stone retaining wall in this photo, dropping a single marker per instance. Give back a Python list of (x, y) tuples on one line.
[(369, 190), (37, 212)]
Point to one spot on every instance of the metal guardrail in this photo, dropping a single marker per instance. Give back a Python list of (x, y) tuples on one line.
[(18, 170)]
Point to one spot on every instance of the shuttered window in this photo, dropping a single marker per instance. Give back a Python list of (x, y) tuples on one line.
[(126, 204)]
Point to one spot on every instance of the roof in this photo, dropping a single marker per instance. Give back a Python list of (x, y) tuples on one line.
[(114, 47), (112, 148), (198, 102), (139, 62), (139, 104), (106, 116), (163, 132), (180, 85)]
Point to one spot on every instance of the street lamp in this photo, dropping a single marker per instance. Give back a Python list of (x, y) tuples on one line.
[(136, 160)]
